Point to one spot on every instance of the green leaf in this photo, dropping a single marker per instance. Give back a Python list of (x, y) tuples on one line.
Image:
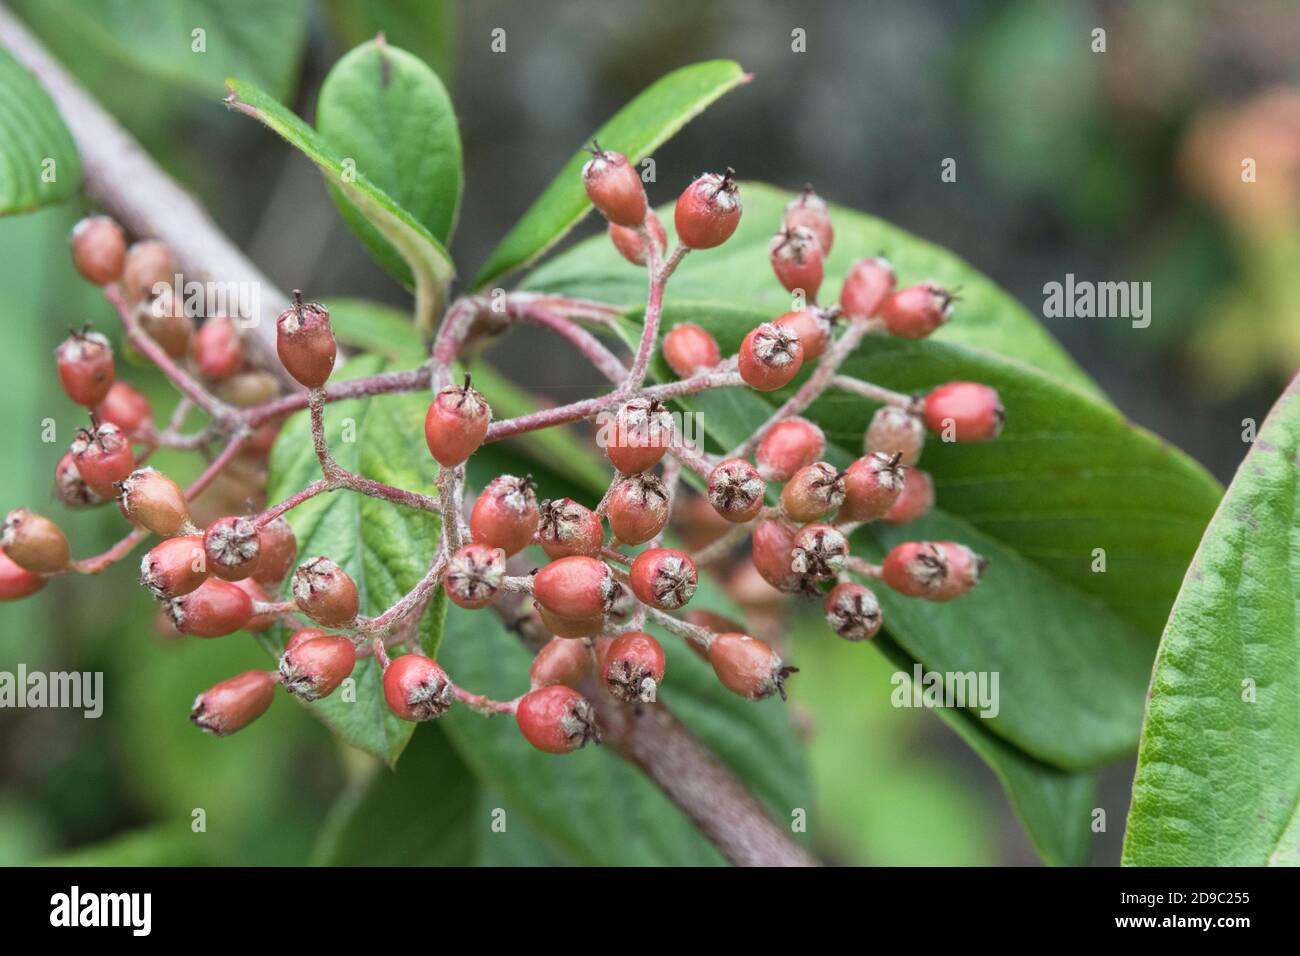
[(428, 260), (39, 164), (425, 27), (388, 113), (376, 329), (638, 129), (1218, 775), (386, 549)]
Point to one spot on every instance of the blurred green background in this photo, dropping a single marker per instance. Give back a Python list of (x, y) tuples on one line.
[(1114, 166)]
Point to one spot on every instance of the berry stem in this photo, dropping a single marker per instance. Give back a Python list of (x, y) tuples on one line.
[(417, 597), (659, 276), (856, 386), (481, 704)]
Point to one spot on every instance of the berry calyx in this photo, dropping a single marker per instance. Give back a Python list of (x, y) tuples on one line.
[(965, 568), (663, 578), (324, 592), (314, 668), (473, 576), (34, 542), (748, 667), (638, 508), (614, 187), (98, 249), (85, 366), (103, 458), (788, 446), (895, 430), (305, 342), (218, 349), (853, 612), (233, 547), (813, 327), (627, 240), (578, 588), (688, 349), (124, 407), (213, 609), (964, 411), (771, 544), (866, 287), (871, 486), (808, 210), (70, 488), (567, 528), (505, 515), (769, 357), (632, 667), (708, 211), (796, 258), (175, 567), (915, 312), (819, 552), (914, 501), (456, 424), (417, 688), (813, 491), (641, 432), (560, 661), (736, 490), (556, 719), (234, 703), (278, 548), (16, 581)]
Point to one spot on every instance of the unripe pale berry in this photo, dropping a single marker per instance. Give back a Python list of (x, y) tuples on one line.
[(417, 688), (638, 508), (810, 211), (866, 287), (964, 411), (633, 667), (871, 486), (736, 490), (174, 567), (663, 578), (17, 582), (85, 366), (688, 349), (567, 528), (305, 342), (258, 622), (324, 592), (965, 568), (473, 576), (560, 661), (812, 492), (213, 609), (314, 668), (233, 547), (103, 457), (915, 500), (556, 719), (234, 703), (505, 515), (278, 548), (577, 587), (34, 542), (218, 349), (70, 487), (769, 357), (708, 211), (245, 389), (748, 667), (570, 627), (630, 245), (797, 260), (124, 407), (638, 436), (895, 430), (788, 446), (614, 187), (853, 612), (917, 569), (148, 264), (772, 543), (819, 552), (915, 312), (98, 249), (456, 424), (813, 326)]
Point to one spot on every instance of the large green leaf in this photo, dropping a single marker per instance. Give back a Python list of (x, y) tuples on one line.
[(39, 164), (386, 549), (385, 111), (639, 128), (1218, 776)]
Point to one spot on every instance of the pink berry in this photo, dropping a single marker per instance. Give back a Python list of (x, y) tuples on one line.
[(663, 578), (560, 661), (505, 515), (85, 366), (314, 668), (964, 411), (570, 627), (812, 492), (772, 547), (788, 446), (736, 490), (218, 350), (866, 287), (98, 249), (769, 357), (748, 667), (708, 211), (627, 240), (258, 622), (895, 430), (556, 719), (416, 688), (871, 486), (853, 612), (917, 569), (213, 609), (796, 258), (813, 326), (325, 593), (689, 349), (305, 342), (638, 436), (915, 500), (638, 508), (576, 587), (820, 551), (915, 312), (965, 568), (474, 575), (567, 528), (614, 187), (456, 424), (811, 212), (234, 703), (278, 548), (124, 407), (233, 547), (632, 667), (175, 567), (34, 542), (73, 490), (17, 582), (103, 458)]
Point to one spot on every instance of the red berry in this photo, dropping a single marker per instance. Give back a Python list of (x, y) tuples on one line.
[(505, 515), (314, 668), (689, 349), (567, 528), (638, 435), (34, 542), (556, 719), (279, 547), (234, 703), (708, 211), (810, 211), (560, 661), (917, 569), (174, 567), (124, 407), (416, 688), (769, 357), (796, 258), (812, 326), (853, 612), (736, 490), (213, 609), (570, 627), (965, 568), (473, 576), (895, 430), (812, 492), (866, 287), (71, 488), (218, 349), (663, 578), (305, 342), (17, 582), (915, 312), (915, 500), (819, 552), (578, 588), (304, 634), (85, 365), (772, 543), (614, 187), (233, 547), (964, 411), (98, 249), (259, 622), (324, 592), (633, 667), (456, 424), (103, 458), (148, 267), (627, 240), (788, 446), (638, 508), (748, 667), (871, 486)]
